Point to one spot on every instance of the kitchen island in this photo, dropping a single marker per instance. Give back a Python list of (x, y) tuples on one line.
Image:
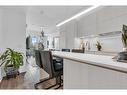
[(90, 71)]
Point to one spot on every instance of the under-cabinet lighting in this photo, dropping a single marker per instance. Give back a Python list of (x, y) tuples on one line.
[(77, 15)]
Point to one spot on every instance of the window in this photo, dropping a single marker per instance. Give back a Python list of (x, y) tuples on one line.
[(34, 40)]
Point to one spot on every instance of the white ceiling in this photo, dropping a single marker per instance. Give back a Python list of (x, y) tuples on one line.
[(48, 16), (18, 9), (45, 16)]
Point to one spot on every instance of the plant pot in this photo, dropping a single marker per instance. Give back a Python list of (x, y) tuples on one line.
[(11, 71), (99, 48)]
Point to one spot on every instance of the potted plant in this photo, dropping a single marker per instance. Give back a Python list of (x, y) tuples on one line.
[(98, 45), (11, 60), (124, 37)]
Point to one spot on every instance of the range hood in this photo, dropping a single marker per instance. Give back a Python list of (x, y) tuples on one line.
[(109, 34)]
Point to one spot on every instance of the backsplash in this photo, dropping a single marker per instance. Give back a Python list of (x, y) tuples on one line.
[(109, 44), (112, 44)]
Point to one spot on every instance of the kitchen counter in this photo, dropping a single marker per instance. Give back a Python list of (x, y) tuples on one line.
[(93, 59), (90, 71)]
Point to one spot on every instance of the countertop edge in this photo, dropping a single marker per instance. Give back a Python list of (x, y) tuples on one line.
[(106, 66)]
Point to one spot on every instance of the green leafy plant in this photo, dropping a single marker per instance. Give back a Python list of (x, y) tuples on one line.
[(124, 35), (11, 58), (98, 45)]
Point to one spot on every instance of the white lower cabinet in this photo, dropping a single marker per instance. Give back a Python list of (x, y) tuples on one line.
[(83, 76)]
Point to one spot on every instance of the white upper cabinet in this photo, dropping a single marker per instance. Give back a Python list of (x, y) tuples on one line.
[(107, 19), (68, 32), (62, 30), (71, 33), (87, 25), (111, 18)]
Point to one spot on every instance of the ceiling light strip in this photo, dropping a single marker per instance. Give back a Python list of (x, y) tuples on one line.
[(77, 15)]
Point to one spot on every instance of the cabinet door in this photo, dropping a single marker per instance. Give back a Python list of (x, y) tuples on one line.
[(78, 75), (70, 34), (62, 31), (111, 19), (87, 25), (74, 73)]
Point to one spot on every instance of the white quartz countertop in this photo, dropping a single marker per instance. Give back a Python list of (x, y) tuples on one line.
[(92, 59)]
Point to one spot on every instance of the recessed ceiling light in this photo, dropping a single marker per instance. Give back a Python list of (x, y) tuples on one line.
[(77, 15)]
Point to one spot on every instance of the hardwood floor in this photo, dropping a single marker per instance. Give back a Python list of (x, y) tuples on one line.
[(28, 79)]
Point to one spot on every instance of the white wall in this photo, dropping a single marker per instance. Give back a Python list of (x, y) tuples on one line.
[(1, 13), (0, 38), (13, 32)]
